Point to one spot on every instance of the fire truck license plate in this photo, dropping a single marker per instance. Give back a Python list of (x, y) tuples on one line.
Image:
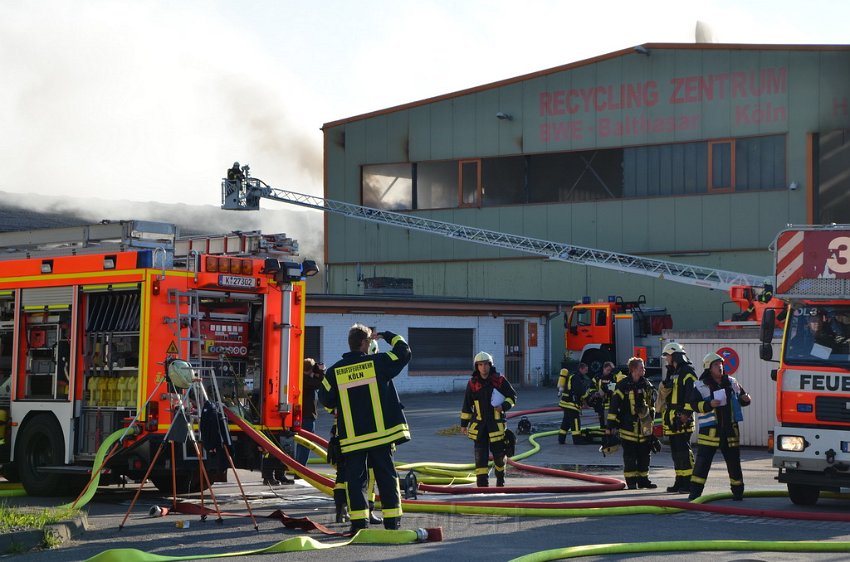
[(237, 281)]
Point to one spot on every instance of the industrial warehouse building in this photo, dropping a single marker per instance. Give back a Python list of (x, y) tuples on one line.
[(694, 153)]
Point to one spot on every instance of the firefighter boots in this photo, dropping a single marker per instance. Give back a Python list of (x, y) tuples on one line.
[(341, 506), (500, 479), (374, 519), (676, 487), (392, 523), (738, 493), (357, 524), (482, 481), (645, 484)]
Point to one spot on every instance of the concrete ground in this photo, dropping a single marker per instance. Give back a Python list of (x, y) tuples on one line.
[(469, 537)]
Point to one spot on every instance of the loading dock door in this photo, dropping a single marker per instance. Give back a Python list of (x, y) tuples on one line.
[(514, 351)]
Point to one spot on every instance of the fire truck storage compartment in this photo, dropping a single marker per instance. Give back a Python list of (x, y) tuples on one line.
[(45, 345), (110, 349), (231, 336)]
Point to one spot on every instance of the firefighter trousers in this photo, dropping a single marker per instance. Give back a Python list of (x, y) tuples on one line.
[(705, 455), (570, 424), (683, 456), (635, 462), (380, 459), (483, 448)]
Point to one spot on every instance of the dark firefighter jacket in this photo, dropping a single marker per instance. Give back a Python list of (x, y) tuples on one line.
[(574, 389), (631, 402), (478, 413), (678, 415), (722, 420), (360, 388)]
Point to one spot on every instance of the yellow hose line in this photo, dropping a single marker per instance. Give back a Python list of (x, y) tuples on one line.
[(294, 544), (98, 462), (683, 546)]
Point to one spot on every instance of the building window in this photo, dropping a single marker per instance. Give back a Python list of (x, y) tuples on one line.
[(441, 351), (469, 182), (388, 186), (721, 165), (437, 185), (503, 181), (760, 163)]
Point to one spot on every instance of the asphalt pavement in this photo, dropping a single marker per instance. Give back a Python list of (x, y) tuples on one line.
[(505, 535)]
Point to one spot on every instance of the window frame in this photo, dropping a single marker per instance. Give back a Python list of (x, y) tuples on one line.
[(460, 184), (710, 183)]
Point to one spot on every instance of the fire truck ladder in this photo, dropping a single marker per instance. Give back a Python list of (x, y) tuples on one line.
[(246, 194)]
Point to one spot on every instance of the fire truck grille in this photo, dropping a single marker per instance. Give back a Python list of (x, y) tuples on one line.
[(821, 287), (832, 409)]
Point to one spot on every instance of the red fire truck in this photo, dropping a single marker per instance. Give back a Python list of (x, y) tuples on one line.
[(812, 435), (90, 317)]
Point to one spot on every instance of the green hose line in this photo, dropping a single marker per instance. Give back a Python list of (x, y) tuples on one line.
[(513, 511), (98, 463), (294, 544), (683, 546), (12, 490)]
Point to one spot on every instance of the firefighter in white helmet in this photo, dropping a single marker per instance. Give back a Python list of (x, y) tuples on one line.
[(676, 413), (488, 396), (717, 398)]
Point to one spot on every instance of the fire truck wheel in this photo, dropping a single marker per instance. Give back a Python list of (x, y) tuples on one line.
[(802, 494), (188, 481), (40, 443)]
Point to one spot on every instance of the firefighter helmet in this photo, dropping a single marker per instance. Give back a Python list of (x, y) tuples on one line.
[(610, 445), (483, 356), (673, 347), (711, 358), (373, 347)]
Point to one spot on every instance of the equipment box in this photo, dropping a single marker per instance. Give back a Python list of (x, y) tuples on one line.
[(98, 425)]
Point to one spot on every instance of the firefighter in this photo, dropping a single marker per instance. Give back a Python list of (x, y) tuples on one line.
[(370, 420), (718, 398), (605, 384), (573, 389), (676, 413), (235, 173), (488, 396), (632, 414)]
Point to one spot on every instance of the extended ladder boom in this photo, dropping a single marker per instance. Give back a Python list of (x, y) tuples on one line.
[(246, 194)]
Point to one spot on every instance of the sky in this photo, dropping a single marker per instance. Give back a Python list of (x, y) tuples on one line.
[(122, 102)]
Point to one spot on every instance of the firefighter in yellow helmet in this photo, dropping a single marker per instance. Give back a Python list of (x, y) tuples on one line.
[(574, 389), (482, 417), (632, 413), (370, 420), (676, 413), (717, 398)]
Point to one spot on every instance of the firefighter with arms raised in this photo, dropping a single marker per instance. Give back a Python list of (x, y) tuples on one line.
[(676, 413), (482, 417), (370, 420)]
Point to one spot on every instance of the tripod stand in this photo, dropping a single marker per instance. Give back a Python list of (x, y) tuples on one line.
[(178, 431)]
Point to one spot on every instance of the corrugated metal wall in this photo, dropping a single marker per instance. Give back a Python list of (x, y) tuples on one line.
[(754, 376)]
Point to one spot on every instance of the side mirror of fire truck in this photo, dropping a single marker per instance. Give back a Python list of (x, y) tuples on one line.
[(768, 325)]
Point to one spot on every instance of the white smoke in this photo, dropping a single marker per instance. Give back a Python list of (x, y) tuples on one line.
[(145, 101), (703, 33)]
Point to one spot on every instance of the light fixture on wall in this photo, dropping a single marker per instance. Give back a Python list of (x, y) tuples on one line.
[(640, 49), (504, 116), (793, 186)]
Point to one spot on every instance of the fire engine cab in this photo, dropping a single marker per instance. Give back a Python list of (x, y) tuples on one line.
[(90, 317)]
